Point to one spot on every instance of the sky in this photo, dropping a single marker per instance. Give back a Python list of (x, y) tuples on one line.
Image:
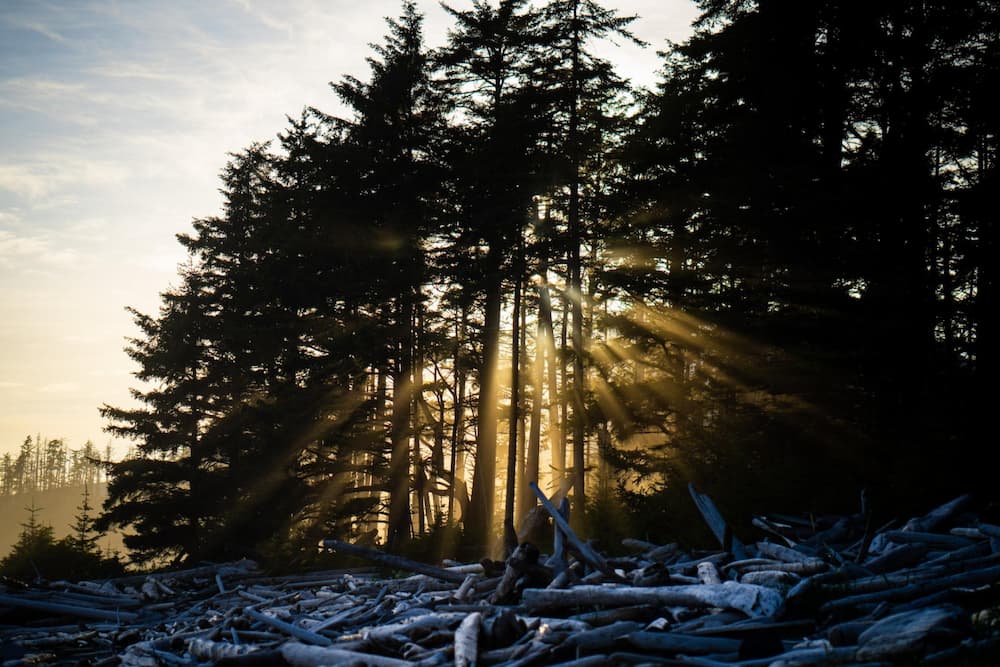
[(115, 120)]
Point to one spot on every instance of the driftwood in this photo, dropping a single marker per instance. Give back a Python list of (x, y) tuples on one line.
[(808, 593), (722, 531), (395, 562), (751, 600)]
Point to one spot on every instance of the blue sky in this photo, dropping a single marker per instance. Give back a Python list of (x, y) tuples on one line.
[(115, 120)]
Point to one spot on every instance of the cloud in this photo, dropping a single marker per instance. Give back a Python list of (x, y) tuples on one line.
[(20, 246), (36, 27), (59, 388), (35, 249), (37, 177)]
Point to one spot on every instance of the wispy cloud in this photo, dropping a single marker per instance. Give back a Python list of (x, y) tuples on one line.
[(33, 250), (36, 27), (37, 177), (59, 388)]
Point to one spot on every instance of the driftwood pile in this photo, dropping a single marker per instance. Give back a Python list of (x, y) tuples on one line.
[(840, 594)]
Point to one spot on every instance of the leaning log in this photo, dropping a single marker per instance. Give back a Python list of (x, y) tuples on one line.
[(722, 530), (592, 557)]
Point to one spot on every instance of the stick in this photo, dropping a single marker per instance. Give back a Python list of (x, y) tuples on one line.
[(397, 562)]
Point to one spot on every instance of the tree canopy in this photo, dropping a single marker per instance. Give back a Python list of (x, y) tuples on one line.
[(772, 275)]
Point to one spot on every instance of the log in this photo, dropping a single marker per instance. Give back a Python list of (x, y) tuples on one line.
[(673, 642), (777, 579), (913, 633), (974, 578), (395, 562), (300, 655), (936, 540), (755, 601), (66, 609), (204, 649), (708, 573), (603, 637), (467, 640), (937, 516), (588, 554), (288, 628), (723, 533), (778, 552)]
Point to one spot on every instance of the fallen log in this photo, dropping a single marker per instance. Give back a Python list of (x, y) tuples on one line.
[(913, 633), (395, 562), (755, 601), (300, 655), (67, 609), (673, 642)]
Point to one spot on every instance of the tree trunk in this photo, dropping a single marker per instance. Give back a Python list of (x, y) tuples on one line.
[(399, 461), (510, 536), (478, 525), (575, 282)]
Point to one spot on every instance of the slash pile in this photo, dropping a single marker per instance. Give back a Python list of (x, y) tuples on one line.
[(839, 594)]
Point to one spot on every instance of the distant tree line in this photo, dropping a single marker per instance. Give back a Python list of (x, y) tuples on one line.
[(37, 554), (43, 464), (772, 276)]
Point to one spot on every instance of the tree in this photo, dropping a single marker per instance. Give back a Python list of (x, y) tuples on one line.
[(488, 62)]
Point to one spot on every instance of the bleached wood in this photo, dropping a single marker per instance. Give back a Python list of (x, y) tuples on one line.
[(467, 640), (755, 601), (300, 655)]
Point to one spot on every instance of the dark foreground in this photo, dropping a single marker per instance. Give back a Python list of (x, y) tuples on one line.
[(836, 593)]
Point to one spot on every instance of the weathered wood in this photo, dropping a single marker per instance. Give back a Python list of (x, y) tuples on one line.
[(974, 578), (722, 531), (673, 642), (912, 633), (937, 540), (396, 562), (300, 655), (752, 600), (288, 628), (204, 649), (938, 515), (591, 556), (467, 640), (785, 554), (708, 573), (601, 638), (19, 602)]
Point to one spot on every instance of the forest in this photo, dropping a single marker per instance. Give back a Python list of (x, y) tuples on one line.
[(771, 276)]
